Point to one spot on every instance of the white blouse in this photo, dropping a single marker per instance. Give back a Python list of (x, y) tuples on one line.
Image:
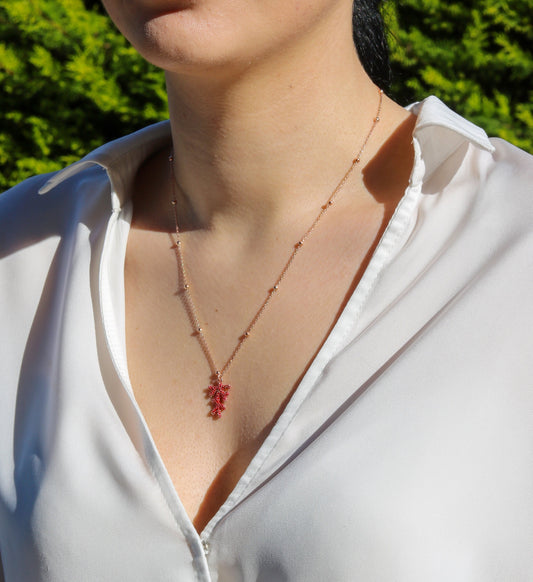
[(405, 454)]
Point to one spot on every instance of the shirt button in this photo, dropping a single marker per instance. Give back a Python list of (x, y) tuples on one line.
[(206, 547)]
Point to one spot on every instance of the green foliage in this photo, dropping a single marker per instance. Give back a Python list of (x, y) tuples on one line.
[(475, 55), (69, 82)]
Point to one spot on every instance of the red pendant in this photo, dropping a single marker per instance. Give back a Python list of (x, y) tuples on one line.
[(218, 394)]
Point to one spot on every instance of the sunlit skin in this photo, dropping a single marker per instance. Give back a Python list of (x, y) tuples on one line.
[(268, 105), (192, 37)]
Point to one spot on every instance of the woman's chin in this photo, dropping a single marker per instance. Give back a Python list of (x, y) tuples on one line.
[(182, 41), (199, 35)]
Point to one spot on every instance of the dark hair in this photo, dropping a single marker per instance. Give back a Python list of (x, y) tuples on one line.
[(371, 42)]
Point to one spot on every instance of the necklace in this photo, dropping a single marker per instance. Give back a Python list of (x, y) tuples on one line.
[(218, 391)]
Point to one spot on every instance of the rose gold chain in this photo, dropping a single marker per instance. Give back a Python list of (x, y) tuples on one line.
[(218, 390)]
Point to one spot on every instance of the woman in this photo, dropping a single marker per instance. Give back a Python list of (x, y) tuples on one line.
[(298, 306)]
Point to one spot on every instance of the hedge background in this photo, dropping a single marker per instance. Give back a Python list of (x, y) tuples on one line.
[(69, 81)]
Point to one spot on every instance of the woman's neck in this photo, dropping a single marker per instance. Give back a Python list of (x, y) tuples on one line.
[(275, 137)]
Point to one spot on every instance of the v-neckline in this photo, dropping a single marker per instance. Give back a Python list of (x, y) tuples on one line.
[(112, 301)]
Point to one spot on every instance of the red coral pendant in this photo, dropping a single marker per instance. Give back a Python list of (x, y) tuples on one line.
[(218, 393)]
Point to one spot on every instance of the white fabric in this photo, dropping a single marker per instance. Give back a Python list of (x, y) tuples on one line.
[(405, 455)]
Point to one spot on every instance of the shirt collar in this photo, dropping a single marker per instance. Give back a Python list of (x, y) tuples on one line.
[(121, 159), (438, 130)]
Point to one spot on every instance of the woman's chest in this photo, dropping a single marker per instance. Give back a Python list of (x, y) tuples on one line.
[(260, 332)]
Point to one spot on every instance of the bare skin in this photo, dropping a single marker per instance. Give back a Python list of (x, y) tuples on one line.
[(263, 130)]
